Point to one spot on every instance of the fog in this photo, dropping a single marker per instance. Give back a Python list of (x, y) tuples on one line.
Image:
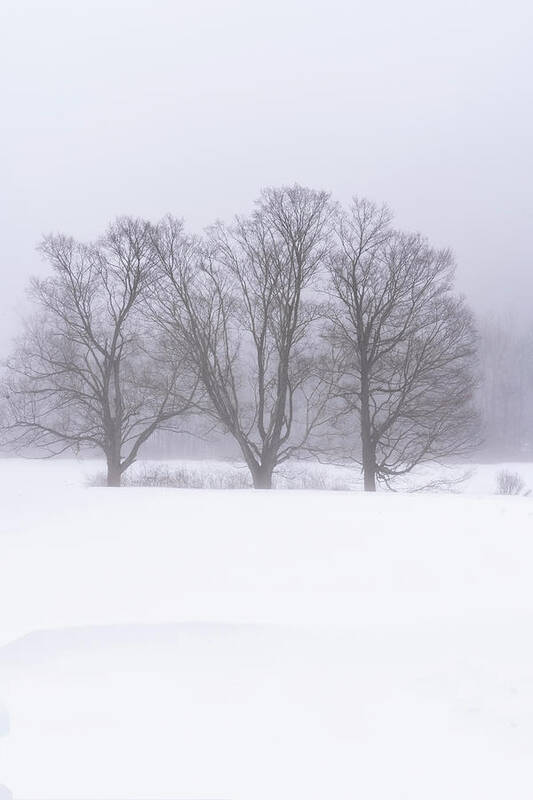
[(148, 107), (310, 572)]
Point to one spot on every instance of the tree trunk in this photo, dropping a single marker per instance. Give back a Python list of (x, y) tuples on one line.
[(262, 477), (114, 473), (369, 467), (368, 446)]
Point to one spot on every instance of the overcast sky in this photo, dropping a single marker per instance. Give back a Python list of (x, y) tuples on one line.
[(146, 107)]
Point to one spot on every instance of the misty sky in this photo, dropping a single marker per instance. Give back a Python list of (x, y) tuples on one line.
[(190, 107)]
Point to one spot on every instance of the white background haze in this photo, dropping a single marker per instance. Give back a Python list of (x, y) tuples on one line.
[(147, 107)]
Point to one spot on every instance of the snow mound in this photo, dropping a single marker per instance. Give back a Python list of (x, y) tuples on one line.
[(204, 644), (244, 711)]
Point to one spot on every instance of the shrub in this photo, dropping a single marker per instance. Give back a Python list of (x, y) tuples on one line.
[(510, 483), (190, 477), (213, 475), (309, 478)]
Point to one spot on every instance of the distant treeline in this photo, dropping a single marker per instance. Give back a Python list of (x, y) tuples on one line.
[(506, 392)]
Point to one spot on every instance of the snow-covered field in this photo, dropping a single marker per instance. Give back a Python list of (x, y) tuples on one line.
[(163, 643)]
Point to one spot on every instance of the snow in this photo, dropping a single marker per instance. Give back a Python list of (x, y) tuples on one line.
[(194, 644)]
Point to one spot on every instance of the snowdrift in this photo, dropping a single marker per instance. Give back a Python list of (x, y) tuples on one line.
[(206, 644)]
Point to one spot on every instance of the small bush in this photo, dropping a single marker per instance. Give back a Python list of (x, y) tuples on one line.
[(510, 483)]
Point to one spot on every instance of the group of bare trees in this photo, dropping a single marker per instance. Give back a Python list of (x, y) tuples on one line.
[(301, 329)]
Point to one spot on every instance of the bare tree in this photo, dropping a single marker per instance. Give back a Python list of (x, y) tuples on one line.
[(405, 345), (89, 372), (242, 302)]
